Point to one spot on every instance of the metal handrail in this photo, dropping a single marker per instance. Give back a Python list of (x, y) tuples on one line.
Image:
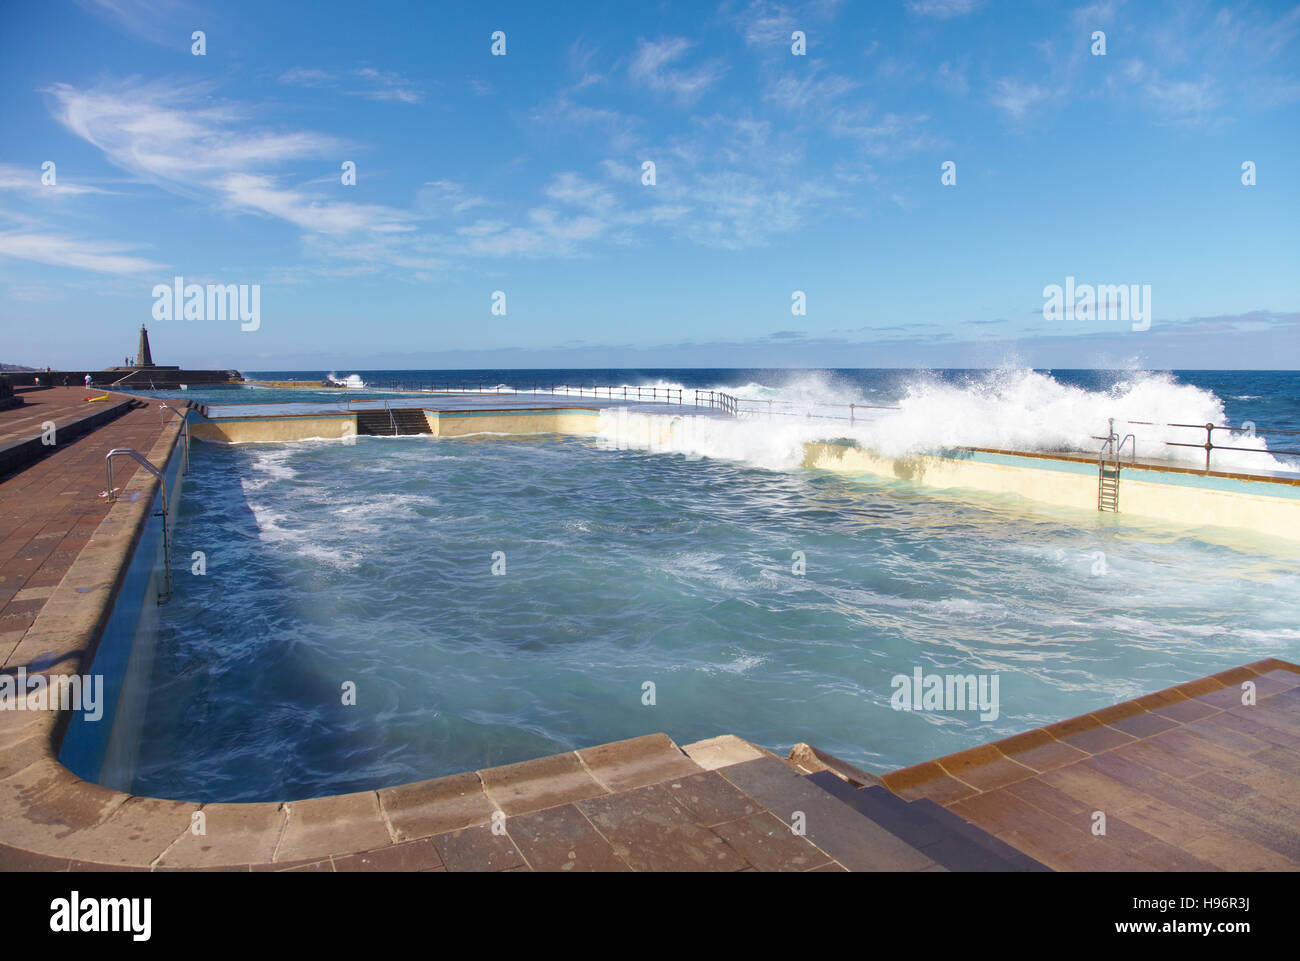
[(668, 395), (1209, 446), (111, 493), (185, 429)]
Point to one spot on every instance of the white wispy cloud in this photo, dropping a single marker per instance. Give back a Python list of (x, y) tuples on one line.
[(652, 67), (367, 82), (768, 25), (308, 77), (167, 23), (441, 198), (1016, 97), (943, 9), (386, 85), (63, 251), (799, 91), (174, 137), (28, 181)]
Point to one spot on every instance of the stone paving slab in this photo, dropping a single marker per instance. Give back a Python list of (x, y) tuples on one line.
[(22, 428), (49, 510), (1190, 778)]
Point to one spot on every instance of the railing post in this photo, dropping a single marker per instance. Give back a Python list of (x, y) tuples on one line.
[(1209, 445)]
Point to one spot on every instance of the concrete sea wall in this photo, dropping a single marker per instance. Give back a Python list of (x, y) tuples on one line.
[(1265, 505)]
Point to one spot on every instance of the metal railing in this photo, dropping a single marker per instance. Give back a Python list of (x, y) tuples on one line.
[(185, 428), (675, 396), (1209, 446), (1113, 447), (111, 493), (717, 400), (759, 406)]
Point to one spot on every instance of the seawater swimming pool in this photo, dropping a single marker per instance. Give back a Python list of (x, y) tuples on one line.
[(371, 563)]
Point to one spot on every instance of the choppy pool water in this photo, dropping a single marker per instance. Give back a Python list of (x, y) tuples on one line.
[(373, 564)]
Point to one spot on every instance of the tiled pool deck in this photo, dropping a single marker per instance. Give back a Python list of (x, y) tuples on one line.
[(50, 509), (1188, 779)]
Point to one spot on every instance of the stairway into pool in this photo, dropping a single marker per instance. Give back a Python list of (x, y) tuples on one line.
[(392, 422)]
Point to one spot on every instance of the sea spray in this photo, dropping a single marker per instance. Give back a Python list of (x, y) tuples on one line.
[(1008, 408)]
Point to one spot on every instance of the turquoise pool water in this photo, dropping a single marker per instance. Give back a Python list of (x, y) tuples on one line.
[(371, 564)]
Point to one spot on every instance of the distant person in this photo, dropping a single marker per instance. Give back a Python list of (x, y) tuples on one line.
[(38, 382), (88, 380)]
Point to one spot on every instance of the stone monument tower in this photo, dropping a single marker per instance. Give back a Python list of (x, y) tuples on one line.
[(144, 358)]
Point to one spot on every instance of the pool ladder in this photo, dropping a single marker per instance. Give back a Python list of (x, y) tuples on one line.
[(1108, 468), (111, 493)]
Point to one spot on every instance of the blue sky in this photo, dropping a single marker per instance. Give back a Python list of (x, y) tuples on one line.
[(774, 173)]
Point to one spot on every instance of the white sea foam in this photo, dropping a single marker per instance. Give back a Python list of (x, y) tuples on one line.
[(269, 465), (351, 381), (1009, 408)]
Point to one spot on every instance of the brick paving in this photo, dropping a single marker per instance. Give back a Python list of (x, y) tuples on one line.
[(59, 404), (49, 509), (1188, 779)]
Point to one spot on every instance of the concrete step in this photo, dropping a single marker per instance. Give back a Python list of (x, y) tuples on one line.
[(411, 421), (387, 423), (1018, 859), (374, 423), (21, 434), (838, 829), (929, 828)]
